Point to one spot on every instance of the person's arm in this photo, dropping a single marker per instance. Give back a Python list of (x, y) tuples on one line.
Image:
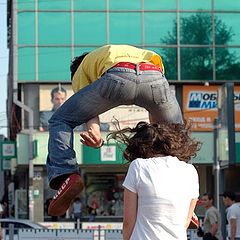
[(214, 229), (43, 121), (233, 228), (92, 137), (129, 213), (190, 212)]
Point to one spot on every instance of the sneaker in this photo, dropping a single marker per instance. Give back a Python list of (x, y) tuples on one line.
[(70, 188)]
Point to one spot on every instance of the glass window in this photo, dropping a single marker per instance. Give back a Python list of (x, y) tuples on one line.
[(26, 64), (160, 28), (196, 28), (90, 28), (25, 5), (54, 5), (54, 64), (94, 5), (226, 5), (26, 28), (125, 5), (227, 28), (126, 28), (196, 5), (196, 64), (54, 28), (228, 63), (160, 5), (80, 50), (169, 58)]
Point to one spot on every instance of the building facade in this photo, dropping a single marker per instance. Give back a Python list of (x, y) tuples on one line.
[(199, 42)]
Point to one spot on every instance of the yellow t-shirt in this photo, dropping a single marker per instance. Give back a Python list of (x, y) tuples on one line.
[(97, 62)]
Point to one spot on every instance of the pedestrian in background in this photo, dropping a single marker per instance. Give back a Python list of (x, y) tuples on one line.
[(161, 189), (212, 219), (77, 209), (233, 215)]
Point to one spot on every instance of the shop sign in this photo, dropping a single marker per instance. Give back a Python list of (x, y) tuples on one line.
[(8, 149), (6, 164), (200, 106), (108, 153)]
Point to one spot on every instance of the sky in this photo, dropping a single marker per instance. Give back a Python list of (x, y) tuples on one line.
[(3, 66)]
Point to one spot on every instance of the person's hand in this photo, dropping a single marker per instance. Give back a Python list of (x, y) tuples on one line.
[(91, 138)]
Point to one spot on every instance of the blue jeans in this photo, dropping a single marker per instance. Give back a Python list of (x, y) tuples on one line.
[(118, 86)]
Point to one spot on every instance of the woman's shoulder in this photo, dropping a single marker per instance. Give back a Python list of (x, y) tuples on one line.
[(181, 164), (168, 160), (139, 162)]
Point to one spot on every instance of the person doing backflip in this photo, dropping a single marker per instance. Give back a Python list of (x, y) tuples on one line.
[(105, 78)]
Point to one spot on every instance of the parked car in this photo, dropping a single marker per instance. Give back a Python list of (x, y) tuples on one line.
[(17, 224)]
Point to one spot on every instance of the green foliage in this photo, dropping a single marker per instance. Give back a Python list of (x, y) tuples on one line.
[(197, 62)]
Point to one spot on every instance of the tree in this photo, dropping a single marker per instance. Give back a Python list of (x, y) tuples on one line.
[(197, 62)]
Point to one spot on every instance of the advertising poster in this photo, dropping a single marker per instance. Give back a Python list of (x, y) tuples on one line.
[(200, 106), (48, 98), (51, 97)]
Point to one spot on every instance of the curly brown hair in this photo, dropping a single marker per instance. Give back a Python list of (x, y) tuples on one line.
[(162, 139)]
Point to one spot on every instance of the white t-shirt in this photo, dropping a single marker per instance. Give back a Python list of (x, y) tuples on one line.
[(233, 212), (165, 187)]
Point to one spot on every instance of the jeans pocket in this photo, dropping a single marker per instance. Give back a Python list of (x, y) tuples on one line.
[(111, 89), (161, 93)]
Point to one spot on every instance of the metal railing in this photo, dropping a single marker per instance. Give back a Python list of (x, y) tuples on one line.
[(73, 234)]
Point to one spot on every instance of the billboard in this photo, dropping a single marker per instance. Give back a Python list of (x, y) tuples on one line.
[(53, 96), (200, 106)]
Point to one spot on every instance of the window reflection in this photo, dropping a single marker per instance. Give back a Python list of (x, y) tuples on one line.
[(228, 63), (150, 24), (196, 64), (125, 5), (95, 4), (226, 5), (227, 28), (196, 5), (169, 56), (125, 28), (160, 5), (196, 28), (89, 28), (163, 25)]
